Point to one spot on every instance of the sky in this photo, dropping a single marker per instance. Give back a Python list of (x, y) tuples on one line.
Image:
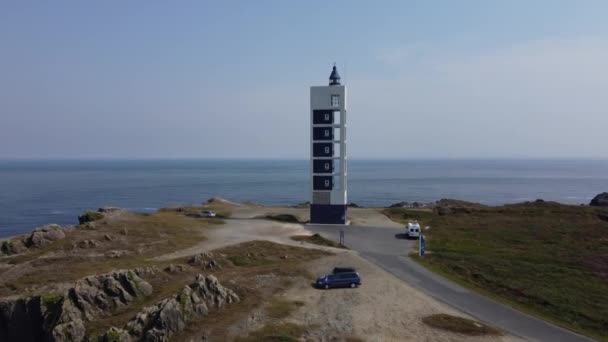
[(230, 79)]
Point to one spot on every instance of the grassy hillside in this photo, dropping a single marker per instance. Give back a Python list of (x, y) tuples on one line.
[(543, 257)]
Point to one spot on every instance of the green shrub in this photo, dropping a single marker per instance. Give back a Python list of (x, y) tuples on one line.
[(89, 216)]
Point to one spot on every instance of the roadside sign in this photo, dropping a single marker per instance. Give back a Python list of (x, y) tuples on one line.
[(421, 245)]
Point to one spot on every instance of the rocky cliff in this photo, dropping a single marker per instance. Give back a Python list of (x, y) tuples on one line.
[(62, 316), (601, 200), (170, 316)]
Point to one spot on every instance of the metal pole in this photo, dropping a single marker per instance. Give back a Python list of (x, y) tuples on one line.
[(421, 245)]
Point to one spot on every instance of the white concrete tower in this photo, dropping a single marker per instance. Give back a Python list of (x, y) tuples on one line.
[(328, 152)]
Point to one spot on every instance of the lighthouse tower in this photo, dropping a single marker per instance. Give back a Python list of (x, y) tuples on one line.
[(328, 152)]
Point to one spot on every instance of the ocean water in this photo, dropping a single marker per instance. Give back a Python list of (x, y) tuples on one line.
[(38, 192)]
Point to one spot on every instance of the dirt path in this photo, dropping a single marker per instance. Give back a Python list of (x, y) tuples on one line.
[(236, 231), (246, 224)]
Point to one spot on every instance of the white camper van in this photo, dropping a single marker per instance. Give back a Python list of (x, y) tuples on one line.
[(412, 229)]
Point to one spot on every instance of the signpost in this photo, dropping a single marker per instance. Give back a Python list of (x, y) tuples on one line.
[(421, 245), (342, 237)]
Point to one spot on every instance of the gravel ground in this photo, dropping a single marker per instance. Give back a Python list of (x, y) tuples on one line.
[(383, 309)]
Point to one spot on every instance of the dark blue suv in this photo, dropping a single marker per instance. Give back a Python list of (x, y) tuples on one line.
[(342, 279)]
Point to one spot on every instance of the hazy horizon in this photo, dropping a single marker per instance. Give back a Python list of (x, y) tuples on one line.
[(298, 159), (197, 80)]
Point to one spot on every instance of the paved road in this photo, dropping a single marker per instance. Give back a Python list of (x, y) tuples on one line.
[(382, 247)]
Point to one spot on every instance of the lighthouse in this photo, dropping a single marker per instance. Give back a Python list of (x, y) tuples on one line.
[(328, 169)]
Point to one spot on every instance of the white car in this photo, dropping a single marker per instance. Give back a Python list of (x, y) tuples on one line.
[(412, 229), (207, 214)]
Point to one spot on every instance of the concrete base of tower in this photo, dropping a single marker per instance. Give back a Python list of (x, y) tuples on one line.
[(327, 214)]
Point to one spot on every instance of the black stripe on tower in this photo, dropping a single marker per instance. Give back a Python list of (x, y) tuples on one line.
[(327, 214), (323, 165), (323, 182), (323, 150), (322, 133), (322, 117)]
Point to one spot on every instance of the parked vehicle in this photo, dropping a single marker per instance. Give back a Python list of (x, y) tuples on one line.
[(412, 230), (343, 279), (207, 214)]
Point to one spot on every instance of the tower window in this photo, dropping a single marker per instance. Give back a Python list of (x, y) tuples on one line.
[(335, 100)]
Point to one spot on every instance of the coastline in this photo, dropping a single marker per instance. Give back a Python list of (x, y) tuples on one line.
[(38, 192), (245, 234)]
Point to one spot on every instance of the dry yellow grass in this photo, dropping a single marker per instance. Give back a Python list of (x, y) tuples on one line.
[(132, 238)]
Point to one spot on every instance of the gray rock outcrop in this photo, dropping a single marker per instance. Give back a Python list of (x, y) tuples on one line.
[(11, 247), (205, 260), (170, 316), (88, 244), (212, 292), (96, 295), (600, 200), (39, 237), (44, 236), (90, 216), (62, 317)]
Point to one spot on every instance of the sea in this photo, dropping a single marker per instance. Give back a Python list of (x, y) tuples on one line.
[(36, 192)]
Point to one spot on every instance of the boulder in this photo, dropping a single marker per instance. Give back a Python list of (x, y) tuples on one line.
[(89, 216), (88, 244), (205, 260), (172, 269), (11, 247), (600, 200), (146, 271), (44, 236)]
